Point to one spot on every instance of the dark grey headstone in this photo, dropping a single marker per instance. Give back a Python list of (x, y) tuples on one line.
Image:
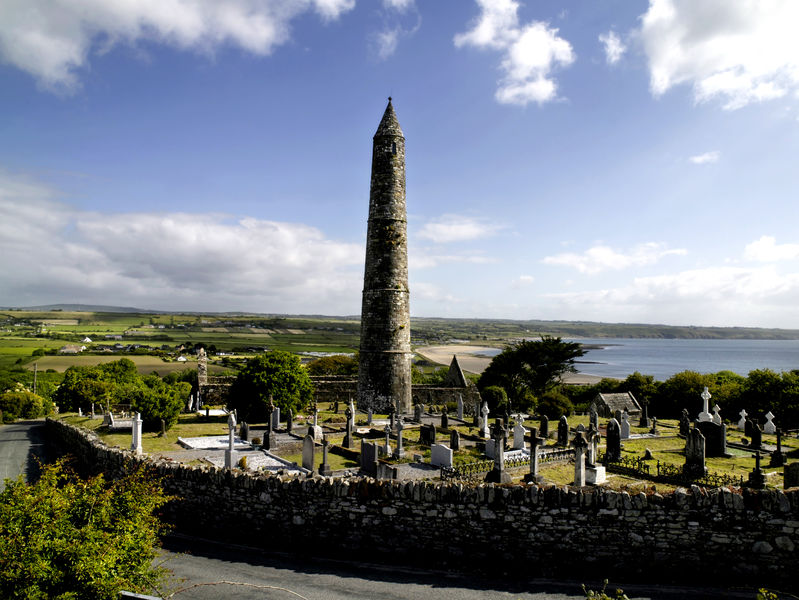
[(455, 440), (695, 454), (369, 455), (563, 432), (790, 475), (308, 450), (544, 426), (613, 444), (685, 423), (445, 419), (244, 431), (755, 435), (427, 435), (715, 438)]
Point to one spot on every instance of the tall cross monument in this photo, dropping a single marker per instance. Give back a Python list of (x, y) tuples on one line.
[(384, 376)]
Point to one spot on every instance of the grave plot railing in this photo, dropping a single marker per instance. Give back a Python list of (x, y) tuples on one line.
[(555, 455), (668, 473)]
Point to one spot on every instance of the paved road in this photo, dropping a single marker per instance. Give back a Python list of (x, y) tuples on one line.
[(291, 577), (20, 444)]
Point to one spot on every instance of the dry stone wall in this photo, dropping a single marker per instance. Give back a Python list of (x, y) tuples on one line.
[(712, 536)]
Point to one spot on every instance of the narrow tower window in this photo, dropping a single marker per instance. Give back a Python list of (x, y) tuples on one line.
[(393, 147)]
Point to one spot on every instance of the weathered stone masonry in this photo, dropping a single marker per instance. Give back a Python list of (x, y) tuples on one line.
[(384, 375), (692, 534)]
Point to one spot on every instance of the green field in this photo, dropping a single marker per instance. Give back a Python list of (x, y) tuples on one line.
[(145, 364)]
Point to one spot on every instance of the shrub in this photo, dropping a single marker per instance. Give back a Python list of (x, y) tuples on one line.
[(554, 405)]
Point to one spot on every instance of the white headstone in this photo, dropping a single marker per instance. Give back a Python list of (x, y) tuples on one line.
[(135, 444), (518, 436), (624, 426), (716, 415), (769, 427), (742, 422), (705, 414), (484, 422), (440, 456)]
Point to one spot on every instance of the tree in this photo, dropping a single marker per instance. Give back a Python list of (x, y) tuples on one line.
[(554, 404), (495, 396), (278, 374), (681, 390), (63, 537), (338, 364), (529, 368)]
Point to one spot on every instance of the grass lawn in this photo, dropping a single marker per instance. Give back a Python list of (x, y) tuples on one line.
[(335, 461)]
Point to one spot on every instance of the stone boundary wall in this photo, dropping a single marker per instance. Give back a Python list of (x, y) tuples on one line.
[(711, 536)]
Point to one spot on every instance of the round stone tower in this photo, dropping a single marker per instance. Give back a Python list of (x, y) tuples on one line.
[(384, 376)]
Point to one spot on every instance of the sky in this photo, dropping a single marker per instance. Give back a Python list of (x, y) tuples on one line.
[(615, 160)]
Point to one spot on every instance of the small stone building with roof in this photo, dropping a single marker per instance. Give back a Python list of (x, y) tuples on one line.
[(606, 405)]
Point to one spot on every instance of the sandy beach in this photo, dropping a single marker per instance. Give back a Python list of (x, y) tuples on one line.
[(471, 361)]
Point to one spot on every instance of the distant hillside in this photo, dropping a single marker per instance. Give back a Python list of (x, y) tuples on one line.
[(429, 329)]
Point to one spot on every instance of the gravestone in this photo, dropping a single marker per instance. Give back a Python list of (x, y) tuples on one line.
[(324, 468), (563, 432), (387, 445), (484, 421), (335, 407), (535, 443), (308, 450), (685, 423), (757, 478), (695, 454), (460, 407), (476, 415), (427, 435), (543, 427), (418, 412), (369, 455), (392, 419), (624, 426), (593, 417), (755, 436), (231, 456), (498, 474), (276, 418), (742, 420), (518, 436), (594, 472), (398, 451), (445, 419), (491, 448), (717, 414), (644, 420), (348, 436), (289, 421), (654, 430), (769, 427), (270, 440), (350, 415), (80, 411), (715, 438), (705, 414), (455, 440), (93, 410), (613, 445), (135, 443), (244, 431), (315, 430), (580, 446), (790, 475), (617, 416), (163, 428), (777, 457), (369, 416), (440, 456)]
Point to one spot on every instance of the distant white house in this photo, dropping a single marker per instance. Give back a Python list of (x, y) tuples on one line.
[(181, 359), (71, 349), (87, 340)]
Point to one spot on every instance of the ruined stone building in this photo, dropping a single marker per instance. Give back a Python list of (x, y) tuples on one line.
[(384, 377)]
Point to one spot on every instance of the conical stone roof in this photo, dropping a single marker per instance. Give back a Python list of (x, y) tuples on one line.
[(389, 124)]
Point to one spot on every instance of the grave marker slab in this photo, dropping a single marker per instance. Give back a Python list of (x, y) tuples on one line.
[(769, 427), (308, 451), (440, 456)]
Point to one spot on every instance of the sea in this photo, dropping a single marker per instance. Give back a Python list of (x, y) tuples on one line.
[(619, 357)]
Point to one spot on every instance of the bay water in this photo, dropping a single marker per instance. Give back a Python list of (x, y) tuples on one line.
[(619, 357)]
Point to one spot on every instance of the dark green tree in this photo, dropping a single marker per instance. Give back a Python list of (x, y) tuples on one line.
[(527, 369), (64, 537), (276, 373), (338, 364), (496, 397), (681, 390), (554, 404)]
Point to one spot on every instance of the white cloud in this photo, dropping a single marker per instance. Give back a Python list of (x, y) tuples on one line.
[(614, 47), (52, 39), (738, 52), (602, 258), (423, 259), (401, 19), (531, 52), (455, 228), (399, 5), (712, 296), (52, 253), (706, 158), (522, 281), (766, 249)]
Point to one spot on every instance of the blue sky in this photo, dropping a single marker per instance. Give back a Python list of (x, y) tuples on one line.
[(612, 161)]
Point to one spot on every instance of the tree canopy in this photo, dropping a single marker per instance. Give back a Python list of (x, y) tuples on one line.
[(337, 364), (277, 374), (528, 369), (63, 537)]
